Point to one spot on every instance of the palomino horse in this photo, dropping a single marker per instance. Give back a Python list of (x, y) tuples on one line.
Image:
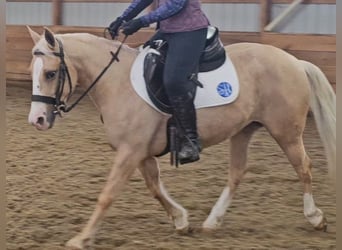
[(276, 91)]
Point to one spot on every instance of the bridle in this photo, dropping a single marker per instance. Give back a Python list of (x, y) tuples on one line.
[(59, 105)]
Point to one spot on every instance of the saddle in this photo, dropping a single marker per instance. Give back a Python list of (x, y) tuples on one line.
[(213, 56)]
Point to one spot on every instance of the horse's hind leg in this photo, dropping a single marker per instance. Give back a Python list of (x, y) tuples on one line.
[(291, 141), (151, 173), (238, 167)]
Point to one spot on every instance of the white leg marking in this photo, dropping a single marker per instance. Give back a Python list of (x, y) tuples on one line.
[(311, 212), (179, 215), (215, 217)]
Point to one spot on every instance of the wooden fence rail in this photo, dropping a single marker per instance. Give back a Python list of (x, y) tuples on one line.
[(318, 49)]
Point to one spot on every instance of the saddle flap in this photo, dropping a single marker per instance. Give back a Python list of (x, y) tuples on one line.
[(153, 76), (150, 64)]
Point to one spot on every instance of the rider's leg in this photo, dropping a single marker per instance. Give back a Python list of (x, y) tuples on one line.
[(185, 114), (184, 51)]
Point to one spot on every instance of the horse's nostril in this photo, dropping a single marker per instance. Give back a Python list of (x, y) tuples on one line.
[(40, 120)]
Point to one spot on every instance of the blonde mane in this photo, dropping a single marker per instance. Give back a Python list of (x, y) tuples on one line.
[(102, 42), (77, 41)]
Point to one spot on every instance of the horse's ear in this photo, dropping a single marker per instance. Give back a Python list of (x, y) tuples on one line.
[(49, 37), (34, 35)]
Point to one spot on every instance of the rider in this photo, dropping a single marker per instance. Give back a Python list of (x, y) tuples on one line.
[(183, 25)]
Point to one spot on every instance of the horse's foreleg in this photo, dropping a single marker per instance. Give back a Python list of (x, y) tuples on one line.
[(122, 169), (238, 167), (151, 173)]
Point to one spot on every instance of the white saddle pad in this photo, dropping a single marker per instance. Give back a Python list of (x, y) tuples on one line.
[(220, 86)]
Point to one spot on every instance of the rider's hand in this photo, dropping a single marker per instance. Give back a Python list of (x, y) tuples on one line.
[(132, 26), (114, 27)]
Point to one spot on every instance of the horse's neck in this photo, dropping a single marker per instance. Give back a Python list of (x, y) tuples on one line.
[(90, 55)]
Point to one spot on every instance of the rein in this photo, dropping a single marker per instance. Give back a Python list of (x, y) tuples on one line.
[(58, 104)]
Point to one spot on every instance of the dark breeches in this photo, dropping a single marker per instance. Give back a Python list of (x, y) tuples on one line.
[(184, 52)]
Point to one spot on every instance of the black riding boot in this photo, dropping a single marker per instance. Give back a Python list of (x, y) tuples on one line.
[(185, 114)]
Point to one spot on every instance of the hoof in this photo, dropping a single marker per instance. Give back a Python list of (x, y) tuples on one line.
[(78, 243), (210, 225), (185, 230), (323, 225), (209, 230), (71, 246)]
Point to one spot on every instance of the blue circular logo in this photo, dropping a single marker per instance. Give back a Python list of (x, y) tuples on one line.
[(224, 89)]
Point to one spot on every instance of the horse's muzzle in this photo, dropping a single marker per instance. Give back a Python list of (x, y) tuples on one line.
[(41, 116)]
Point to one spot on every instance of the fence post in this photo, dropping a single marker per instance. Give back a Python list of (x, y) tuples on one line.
[(57, 12), (265, 15)]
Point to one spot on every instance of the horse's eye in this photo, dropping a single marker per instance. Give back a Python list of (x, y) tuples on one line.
[(50, 75)]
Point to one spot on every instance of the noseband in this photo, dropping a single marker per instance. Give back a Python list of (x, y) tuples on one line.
[(59, 105)]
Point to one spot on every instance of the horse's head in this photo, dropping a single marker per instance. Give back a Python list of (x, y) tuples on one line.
[(53, 78)]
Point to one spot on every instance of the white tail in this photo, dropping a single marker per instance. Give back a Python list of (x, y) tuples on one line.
[(323, 106)]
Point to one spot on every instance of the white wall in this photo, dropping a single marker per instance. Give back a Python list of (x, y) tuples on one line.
[(309, 18)]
